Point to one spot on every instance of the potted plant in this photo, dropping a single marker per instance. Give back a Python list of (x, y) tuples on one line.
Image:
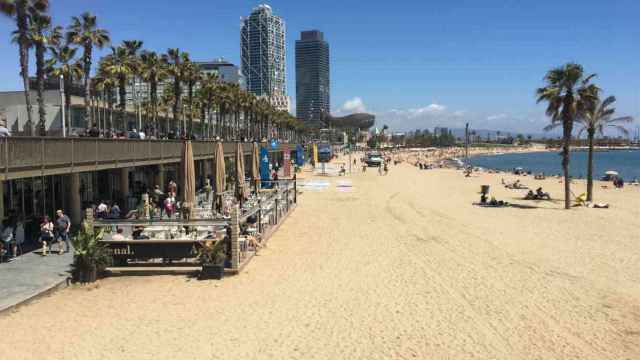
[(89, 256), (211, 255)]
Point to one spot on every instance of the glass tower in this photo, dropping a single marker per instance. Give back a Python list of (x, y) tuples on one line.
[(312, 77), (262, 52)]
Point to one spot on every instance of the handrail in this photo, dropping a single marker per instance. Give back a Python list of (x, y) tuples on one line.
[(22, 157)]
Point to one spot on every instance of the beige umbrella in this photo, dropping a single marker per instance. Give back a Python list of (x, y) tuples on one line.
[(255, 165), (241, 191), (218, 158), (189, 178)]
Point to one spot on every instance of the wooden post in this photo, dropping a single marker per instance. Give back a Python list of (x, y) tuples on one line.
[(259, 215), (295, 189), (235, 238), (76, 203)]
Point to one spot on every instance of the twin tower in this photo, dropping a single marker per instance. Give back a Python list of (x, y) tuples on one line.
[(263, 57)]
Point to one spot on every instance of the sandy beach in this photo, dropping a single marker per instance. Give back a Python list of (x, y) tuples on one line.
[(398, 267)]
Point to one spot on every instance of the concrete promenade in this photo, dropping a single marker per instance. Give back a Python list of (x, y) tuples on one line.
[(31, 275)]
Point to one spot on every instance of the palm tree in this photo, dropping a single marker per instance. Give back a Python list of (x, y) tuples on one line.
[(173, 60), (105, 84), (597, 116), (206, 97), (118, 65), (20, 10), (63, 63), (135, 67), (85, 33), (152, 71), (41, 35), (191, 76), (568, 93)]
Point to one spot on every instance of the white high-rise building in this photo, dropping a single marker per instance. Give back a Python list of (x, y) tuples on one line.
[(263, 56)]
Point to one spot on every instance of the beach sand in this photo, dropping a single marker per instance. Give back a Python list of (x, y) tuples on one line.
[(401, 266)]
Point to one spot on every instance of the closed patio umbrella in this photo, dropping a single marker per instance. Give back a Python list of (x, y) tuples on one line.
[(189, 178), (255, 166), (241, 191), (218, 158)]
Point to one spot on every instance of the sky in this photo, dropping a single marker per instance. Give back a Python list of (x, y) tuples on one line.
[(413, 63)]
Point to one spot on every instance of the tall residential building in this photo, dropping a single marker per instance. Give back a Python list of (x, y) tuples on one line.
[(312, 77), (262, 51)]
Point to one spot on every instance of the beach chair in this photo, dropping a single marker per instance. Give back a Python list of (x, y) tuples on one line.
[(580, 200)]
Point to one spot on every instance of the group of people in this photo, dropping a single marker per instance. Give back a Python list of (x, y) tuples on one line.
[(51, 232), (538, 195)]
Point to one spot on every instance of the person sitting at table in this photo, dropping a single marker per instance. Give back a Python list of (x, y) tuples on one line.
[(138, 233), (115, 211), (118, 236), (102, 210)]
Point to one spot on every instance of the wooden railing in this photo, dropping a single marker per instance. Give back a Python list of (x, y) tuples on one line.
[(22, 157)]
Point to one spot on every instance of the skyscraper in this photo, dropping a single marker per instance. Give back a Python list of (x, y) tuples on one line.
[(262, 52), (312, 76)]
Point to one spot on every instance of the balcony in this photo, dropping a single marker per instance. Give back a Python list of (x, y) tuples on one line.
[(22, 157)]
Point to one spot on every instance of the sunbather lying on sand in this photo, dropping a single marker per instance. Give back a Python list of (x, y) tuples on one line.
[(516, 185)]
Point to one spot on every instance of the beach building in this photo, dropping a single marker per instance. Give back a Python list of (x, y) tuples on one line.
[(263, 55), (43, 174), (312, 77)]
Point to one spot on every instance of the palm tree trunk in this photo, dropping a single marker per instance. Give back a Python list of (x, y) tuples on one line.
[(123, 102), (566, 143), (87, 83), (42, 123), (23, 42), (591, 133)]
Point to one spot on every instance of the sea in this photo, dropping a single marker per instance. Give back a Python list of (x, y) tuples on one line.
[(625, 162)]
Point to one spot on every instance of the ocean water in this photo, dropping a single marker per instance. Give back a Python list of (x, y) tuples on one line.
[(625, 162)]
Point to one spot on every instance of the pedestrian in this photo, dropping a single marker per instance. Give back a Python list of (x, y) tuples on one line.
[(7, 239), (46, 234), (63, 224), (169, 205)]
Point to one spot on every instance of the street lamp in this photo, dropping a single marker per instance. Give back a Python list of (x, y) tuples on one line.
[(64, 125)]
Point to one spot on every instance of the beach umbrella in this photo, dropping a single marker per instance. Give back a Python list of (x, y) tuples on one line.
[(218, 158), (189, 178), (255, 165), (611, 173), (241, 191)]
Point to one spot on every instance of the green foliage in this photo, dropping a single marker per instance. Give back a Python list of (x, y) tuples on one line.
[(425, 138), (88, 252), (211, 253)]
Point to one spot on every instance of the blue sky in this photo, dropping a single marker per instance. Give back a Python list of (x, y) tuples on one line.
[(415, 64)]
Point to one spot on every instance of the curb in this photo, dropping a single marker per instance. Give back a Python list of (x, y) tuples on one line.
[(63, 283)]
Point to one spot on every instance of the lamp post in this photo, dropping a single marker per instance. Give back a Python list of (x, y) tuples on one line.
[(62, 106)]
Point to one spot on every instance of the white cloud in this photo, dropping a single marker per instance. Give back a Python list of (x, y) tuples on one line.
[(355, 105), (496, 117)]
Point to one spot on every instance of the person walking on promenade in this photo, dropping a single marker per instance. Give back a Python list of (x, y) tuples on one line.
[(8, 240), (46, 234), (63, 224)]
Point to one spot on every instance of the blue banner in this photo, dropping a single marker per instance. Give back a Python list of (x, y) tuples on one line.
[(265, 174), (299, 155)]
